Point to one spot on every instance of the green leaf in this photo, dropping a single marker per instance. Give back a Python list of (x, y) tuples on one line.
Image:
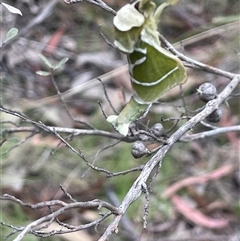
[(43, 73), (12, 9), (128, 24), (11, 34), (61, 63), (129, 114), (121, 128), (154, 71), (46, 61), (127, 18)]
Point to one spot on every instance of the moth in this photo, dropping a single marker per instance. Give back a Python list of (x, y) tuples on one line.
[(153, 69)]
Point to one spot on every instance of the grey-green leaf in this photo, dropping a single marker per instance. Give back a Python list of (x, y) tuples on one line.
[(11, 34), (46, 61), (43, 73), (127, 18), (61, 63), (12, 9)]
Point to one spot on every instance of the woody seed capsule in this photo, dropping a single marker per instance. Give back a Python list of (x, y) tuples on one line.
[(139, 150), (157, 129), (207, 91), (215, 116)]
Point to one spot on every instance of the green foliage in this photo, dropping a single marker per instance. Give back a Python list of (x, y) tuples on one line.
[(60, 63), (46, 61), (43, 73), (153, 70), (50, 66), (13, 31), (11, 34)]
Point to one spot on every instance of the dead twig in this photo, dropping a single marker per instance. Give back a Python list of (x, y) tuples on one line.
[(31, 227), (217, 131), (98, 3)]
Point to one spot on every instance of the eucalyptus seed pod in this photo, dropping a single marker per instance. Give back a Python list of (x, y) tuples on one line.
[(215, 116), (139, 150), (157, 129), (207, 91)]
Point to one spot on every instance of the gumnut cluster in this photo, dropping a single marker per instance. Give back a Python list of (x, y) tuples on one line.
[(207, 92)]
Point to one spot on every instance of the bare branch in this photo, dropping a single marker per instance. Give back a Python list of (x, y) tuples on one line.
[(67, 194), (136, 189), (217, 131), (134, 169), (126, 223), (33, 206), (65, 105), (194, 63), (99, 151), (107, 97), (73, 131), (54, 214), (146, 205), (98, 3)]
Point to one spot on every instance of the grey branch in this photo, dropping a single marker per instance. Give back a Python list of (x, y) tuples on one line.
[(193, 63), (77, 132), (54, 214), (136, 190), (217, 131), (98, 3)]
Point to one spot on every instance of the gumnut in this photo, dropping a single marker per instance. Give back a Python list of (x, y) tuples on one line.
[(157, 129), (215, 116), (207, 92), (139, 149)]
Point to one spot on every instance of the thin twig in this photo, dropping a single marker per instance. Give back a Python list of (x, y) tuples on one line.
[(65, 105), (98, 3), (105, 38), (217, 131), (54, 214), (98, 152), (194, 63), (103, 112), (134, 169), (107, 97), (67, 194), (183, 100)]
